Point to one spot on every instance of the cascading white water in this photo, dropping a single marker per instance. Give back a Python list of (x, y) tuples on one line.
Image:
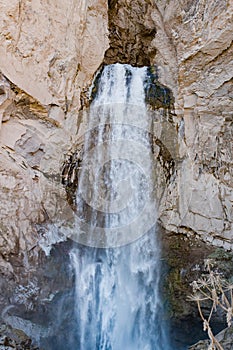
[(117, 269)]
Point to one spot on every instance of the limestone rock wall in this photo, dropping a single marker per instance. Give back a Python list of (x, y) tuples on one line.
[(201, 200), (51, 48), (49, 52)]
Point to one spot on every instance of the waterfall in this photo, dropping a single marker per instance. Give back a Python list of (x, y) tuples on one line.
[(117, 261)]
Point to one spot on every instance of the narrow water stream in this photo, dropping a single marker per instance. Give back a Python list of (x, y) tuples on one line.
[(117, 267)]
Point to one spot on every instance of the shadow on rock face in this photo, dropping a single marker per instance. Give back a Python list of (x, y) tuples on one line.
[(183, 261), (131, 31)]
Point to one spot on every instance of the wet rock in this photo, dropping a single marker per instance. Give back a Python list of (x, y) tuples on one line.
[(70, 175)]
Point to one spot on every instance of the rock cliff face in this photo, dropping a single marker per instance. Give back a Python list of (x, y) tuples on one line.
[(48, 53), (48, 56), (201, 201)]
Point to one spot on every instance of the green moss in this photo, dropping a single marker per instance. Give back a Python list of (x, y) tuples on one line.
[(223, 262), (221, 254), (175, 289)]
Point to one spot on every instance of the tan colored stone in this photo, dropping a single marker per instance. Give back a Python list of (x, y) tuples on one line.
[(11, 132), (42, 46)]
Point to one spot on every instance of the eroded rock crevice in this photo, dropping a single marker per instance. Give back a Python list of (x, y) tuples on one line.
[(70, 175), (131, 32)]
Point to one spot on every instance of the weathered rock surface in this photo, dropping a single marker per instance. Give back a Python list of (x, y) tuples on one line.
[(131, 31), (48, 53), (200, 31), (50, 50)]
